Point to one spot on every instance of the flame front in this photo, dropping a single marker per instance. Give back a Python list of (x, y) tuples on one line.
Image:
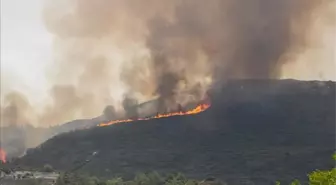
[(196, 110), (2, 155)]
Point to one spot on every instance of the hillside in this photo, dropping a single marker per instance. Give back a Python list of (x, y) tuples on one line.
[(16, 139), (255, 131)]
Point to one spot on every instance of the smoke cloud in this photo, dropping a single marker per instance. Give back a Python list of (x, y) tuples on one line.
[(314, 57), (174, 50)]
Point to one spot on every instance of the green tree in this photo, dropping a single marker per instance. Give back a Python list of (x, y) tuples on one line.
[(326, 177), (319, 177), (323, 177)]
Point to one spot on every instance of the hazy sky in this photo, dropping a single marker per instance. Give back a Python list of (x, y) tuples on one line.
[(25, 45), (26, 50)]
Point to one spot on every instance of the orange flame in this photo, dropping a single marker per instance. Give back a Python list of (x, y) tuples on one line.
[(196, 110), (2, 155)]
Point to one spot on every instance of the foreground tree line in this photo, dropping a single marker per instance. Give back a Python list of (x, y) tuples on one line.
[(317, 177), (153, 178)]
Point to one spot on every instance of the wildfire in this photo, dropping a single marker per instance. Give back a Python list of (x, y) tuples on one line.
[(196, 110), (2, 155)]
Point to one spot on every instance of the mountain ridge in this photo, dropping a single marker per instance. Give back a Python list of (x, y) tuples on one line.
[(259, 131)]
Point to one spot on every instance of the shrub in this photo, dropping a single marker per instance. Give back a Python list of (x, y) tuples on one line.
[(150, 178), (48, 168), (115, 181)]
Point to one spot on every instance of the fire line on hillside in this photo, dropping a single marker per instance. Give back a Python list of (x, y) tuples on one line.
[(198, 109)]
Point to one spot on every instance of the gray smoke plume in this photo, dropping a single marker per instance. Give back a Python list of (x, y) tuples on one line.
[(173, 49), (240, 39), (170, 49)]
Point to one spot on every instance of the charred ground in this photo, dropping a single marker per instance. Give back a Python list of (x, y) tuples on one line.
[(255, 131)]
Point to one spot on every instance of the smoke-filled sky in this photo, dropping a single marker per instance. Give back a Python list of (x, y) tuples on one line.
[(25, 47), (68, 59)]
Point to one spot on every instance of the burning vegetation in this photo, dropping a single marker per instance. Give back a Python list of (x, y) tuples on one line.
[(196, 110), (2, 155), (173, 50)]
